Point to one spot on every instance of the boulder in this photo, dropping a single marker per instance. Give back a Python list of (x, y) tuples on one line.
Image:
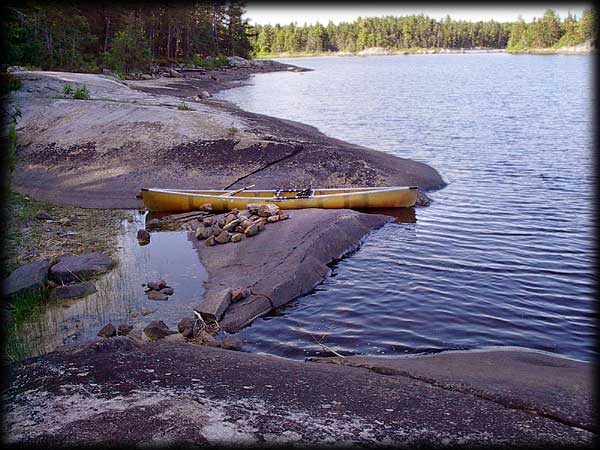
[(124, 329), (173, 73), (263, 209), (237, 237), (76, 290), (156, 285), (205, 338), (157, 295), (43, 215), (252, 230), (204, 95), (208, 221), (214, 304), (223, 237), (186, 322), (76, 268), (107, 331), (167, 290), (260, 223), (203, 232), (232, 225), (26, 278), (143, 237), (157, 329)]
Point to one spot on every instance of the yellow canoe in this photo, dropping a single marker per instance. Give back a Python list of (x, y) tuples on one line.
[(177, 200)]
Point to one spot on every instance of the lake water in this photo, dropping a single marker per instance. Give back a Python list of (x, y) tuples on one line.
[(504, 255)]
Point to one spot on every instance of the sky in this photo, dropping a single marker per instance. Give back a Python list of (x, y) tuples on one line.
[(267, 13)]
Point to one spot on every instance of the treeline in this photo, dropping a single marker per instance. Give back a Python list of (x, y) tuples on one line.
[(420, 31), (124, 35)]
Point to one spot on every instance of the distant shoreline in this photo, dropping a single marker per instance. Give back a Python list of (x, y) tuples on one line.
[(378, 51)]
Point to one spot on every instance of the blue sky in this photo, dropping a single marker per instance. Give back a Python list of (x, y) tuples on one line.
[(268, 13)]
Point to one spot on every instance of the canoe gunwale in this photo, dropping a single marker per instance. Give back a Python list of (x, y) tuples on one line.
[(370, 190)]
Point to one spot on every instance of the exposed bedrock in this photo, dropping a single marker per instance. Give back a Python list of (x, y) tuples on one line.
[(100, 152), (284, 262)]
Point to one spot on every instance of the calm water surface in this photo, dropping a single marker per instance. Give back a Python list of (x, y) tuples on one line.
[(504, 254)]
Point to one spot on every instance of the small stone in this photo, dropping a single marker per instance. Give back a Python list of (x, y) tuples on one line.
[(252, 230), (143, 237), (263, 209), (153, 285), (206, 338), (65, 222), (261, 223), (203, 232), (231, 342), (244, 214), (124, 329), (237, 237), (283, 216), (238, 294), (154, 223), (175, 338), (230, 218), (246, 223), (157, 295), (232, 225), (210, 241), (188, 333), (167, 290), (235, 211), (239, 229), (223, 238), (208, 221), (204, 95), (157, 329), (43, 215), (147, 311), (107, 331), (206, 207), (184, 323), (221, 222), (272, 219)]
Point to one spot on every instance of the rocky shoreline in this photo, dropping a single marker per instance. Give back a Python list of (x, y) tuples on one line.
[(165, 132)]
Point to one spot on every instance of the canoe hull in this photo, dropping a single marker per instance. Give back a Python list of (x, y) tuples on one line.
[(356, 198)]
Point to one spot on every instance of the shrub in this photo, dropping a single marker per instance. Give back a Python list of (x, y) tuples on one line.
[(68, 90), (12, 146), (82, 93)]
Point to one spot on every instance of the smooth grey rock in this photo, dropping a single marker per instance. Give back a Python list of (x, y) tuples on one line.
[(76, 268), (76, 290), (244, 312), (283, 264), (215, 304), (26, 278)]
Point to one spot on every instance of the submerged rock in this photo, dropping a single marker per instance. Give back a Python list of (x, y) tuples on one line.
[(167, 290), (143, 237), (157, 295), (76, 290), (124, 329)]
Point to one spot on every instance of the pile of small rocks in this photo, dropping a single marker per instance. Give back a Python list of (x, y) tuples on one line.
[(158, 290), (238, 225)]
